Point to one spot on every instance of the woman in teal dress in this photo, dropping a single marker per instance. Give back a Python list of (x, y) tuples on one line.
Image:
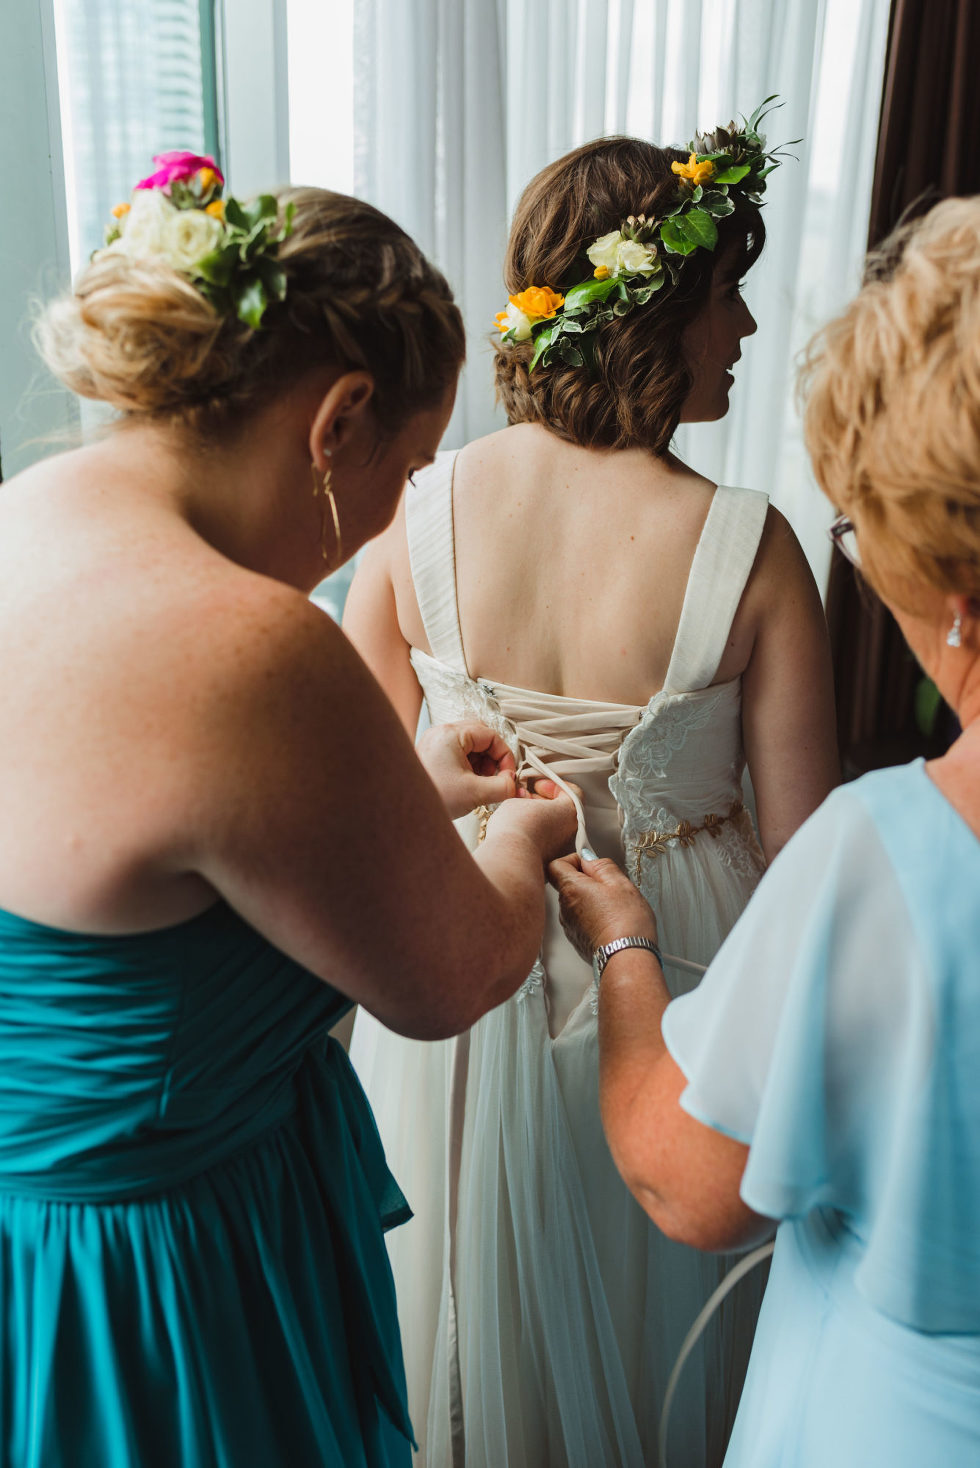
[(825, 1076), (216, 838)]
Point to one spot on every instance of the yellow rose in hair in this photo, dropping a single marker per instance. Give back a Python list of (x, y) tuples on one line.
[(121, 210), (216, 209), (697, 173), (538, 302)]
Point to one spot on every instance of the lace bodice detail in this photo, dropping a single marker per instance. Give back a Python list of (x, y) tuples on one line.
[(679, 780), (450, 694), (663, 731)]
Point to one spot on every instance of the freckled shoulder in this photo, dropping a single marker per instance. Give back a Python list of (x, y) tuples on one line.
[(237, 628)]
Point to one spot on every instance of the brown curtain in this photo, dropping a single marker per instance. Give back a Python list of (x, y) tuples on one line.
[(928, 148)]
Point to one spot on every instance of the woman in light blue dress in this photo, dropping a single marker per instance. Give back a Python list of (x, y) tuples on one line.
[(216, 837), (826, 1074)]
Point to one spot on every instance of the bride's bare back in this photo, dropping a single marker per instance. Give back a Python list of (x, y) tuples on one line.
[(572, 563), (571, 568)]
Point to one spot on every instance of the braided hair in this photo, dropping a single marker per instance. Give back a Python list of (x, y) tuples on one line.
[(360, 294)]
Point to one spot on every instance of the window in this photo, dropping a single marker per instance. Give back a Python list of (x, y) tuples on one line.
[(136, 77), (321, 93)]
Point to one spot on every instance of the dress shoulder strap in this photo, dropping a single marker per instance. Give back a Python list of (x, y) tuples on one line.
[(722, 562), (432, 555)]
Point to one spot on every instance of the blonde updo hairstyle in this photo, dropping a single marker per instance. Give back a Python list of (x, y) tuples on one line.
[(360, 294), (642, 379), (892, 408)]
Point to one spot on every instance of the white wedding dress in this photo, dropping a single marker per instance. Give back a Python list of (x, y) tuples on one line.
[(541, 1310)]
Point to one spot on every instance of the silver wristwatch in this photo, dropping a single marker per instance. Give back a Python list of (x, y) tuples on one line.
[(602, 955)]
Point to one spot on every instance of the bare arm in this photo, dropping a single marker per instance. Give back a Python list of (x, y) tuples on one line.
[(683, 1174), (315, 820), (788, 719), (371, 623)]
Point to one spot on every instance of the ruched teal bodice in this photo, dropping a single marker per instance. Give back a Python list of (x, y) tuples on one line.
[(192, 1199)]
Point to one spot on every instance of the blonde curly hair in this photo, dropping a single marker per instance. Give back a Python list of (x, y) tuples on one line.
[(360, 294), (892, 408)]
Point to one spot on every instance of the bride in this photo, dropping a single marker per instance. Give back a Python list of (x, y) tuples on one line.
[(631, 627)]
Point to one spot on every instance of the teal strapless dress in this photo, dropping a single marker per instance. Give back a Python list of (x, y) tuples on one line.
[(192, 1202)]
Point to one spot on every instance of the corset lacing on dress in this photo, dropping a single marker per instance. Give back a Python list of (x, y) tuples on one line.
[(590, 738), (561, 745)]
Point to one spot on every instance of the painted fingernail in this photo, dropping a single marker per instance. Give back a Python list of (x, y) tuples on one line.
[(588, 854)]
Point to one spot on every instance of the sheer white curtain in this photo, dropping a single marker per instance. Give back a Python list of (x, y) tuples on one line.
[(431, 99), (459, 102)]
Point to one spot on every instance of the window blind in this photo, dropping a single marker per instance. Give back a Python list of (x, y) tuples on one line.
[(137, 78)]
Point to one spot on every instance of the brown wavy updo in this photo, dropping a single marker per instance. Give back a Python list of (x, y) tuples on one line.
[(892, 420), (360, 294), (636, 396)]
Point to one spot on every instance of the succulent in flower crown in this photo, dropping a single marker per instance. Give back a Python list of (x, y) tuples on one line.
[(228, 248), (633, 262)]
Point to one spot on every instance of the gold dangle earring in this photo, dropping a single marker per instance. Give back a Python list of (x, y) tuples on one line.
[(328, 494)]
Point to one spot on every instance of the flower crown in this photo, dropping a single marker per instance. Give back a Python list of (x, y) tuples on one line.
[(632, 262), (228, 248)]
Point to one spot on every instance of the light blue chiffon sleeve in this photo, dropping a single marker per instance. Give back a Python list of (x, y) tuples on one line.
[(838, 1034)]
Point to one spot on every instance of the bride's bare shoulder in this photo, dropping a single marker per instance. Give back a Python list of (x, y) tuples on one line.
[(516, 447), (531, 452), (516, 439)]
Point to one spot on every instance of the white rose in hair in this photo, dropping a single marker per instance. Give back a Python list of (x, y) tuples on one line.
[(513, 319), (144, 227), (605, 251), (190, 234), (635, 259)]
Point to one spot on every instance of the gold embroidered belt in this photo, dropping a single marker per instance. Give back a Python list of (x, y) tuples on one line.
[(685, 833)]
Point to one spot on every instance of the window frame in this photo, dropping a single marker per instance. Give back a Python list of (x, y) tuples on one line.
[(250, 38), (33, 411)]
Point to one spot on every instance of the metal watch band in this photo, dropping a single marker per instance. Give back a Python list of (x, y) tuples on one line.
[(602, 955)]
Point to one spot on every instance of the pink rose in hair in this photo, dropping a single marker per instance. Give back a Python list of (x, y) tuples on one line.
[(179, 167)]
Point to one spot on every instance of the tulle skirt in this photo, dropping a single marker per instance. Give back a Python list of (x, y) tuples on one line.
[(542, 1311)]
